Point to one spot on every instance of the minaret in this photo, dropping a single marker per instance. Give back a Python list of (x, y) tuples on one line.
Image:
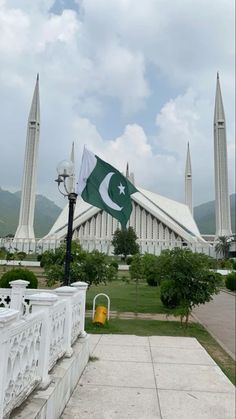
[(222, 206), (128, 175), (25, 229), (127, 171), (188, 182)]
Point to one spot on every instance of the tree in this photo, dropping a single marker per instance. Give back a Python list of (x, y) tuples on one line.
[(124, 242), (136, 273), (222, 246), (146, 267), (21, 255), (150, 269), (190, 279), (92, 267)]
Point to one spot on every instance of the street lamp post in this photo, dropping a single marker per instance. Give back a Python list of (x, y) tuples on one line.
[(65, 171)]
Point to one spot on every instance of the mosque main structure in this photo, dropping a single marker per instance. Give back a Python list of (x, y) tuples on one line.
[(159, 222)]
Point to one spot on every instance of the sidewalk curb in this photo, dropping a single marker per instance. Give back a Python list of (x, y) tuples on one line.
[(215, 337), (229, 292)]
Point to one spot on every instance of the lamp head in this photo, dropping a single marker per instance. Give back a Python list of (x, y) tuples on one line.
[(65, 169)]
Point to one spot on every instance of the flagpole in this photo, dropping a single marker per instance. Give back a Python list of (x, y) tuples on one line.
[(72, 200), (66, 176)]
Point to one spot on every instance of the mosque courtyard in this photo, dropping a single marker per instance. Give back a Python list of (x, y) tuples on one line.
[(138, 377)]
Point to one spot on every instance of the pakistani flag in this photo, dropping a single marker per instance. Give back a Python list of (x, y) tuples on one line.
[(103, 186)]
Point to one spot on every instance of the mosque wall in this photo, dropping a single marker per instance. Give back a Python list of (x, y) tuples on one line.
[(153, 235)]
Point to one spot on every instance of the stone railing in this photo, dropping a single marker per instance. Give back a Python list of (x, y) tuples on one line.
[(33, 339)]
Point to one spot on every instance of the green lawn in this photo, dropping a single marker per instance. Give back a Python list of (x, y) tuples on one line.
[(123, 297), (169, 328)]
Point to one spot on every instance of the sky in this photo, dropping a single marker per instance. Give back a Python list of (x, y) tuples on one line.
[(132, 80)]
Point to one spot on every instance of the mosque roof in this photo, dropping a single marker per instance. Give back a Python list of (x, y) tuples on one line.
[(173, 214)]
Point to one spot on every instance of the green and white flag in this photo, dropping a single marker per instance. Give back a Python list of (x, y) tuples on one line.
[(103, 186)]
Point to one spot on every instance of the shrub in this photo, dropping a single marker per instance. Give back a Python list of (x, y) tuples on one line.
[(18, 273), (152, 282), (233, 261), (230, 281), (129, 260), (21, 255), (168, 295), (114, 264), (226, 264), (150, 269), (3, 252)]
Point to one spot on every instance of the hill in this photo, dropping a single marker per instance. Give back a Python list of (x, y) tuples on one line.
[(204, 216), (46, 213)]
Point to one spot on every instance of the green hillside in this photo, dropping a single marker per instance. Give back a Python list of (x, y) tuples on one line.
[(46, 213), (204, 216)]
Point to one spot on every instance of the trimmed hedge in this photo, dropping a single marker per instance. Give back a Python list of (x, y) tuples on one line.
[(230, 281), (18, 273)]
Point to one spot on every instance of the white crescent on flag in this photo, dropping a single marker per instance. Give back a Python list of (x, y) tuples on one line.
[(103, 190)]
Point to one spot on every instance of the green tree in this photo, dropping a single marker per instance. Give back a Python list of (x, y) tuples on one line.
[(10, 256), (230, 281), (136, 273), (95, 269), (21, 255), (150, 269), (124, 242), (189, 278), (3, 252), (222, 246), (92, 267)]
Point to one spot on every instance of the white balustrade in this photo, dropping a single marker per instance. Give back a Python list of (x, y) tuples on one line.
[(21, 344), (79, 316), (37, 327), (68, 293), (18, 294), (5, 297)]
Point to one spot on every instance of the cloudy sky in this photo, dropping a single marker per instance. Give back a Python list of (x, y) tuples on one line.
[(133, 80)]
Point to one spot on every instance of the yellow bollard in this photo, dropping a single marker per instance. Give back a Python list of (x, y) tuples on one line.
[(100, 315)]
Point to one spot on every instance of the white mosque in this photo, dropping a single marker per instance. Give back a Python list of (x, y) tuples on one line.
[(159, 222)]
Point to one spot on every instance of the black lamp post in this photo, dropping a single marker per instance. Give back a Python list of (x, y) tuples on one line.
[(65, 171)]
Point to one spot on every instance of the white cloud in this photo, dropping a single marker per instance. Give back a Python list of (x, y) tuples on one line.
[(98, 57), (14, 26)]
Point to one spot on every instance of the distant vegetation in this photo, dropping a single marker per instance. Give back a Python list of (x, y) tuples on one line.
[(46, 213), (204, 216)]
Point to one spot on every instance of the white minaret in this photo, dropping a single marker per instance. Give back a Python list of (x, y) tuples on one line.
[(188, 182), (25, 229), (222, 205)]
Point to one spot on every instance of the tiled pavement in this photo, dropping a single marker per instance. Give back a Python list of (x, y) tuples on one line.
[(133, 377)]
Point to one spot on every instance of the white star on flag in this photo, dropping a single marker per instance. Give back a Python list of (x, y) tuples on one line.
[(121, 188)]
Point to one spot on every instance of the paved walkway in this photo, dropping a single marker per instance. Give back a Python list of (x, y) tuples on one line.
[(134, 377), (218, 316), (126, 315)]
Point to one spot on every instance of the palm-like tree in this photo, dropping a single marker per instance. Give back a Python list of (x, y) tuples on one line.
[(222, 246)]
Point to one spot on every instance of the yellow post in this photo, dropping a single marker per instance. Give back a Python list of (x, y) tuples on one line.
[(100, 315)]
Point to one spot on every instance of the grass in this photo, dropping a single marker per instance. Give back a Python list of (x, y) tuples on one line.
[(170, 328), (123, 297)]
